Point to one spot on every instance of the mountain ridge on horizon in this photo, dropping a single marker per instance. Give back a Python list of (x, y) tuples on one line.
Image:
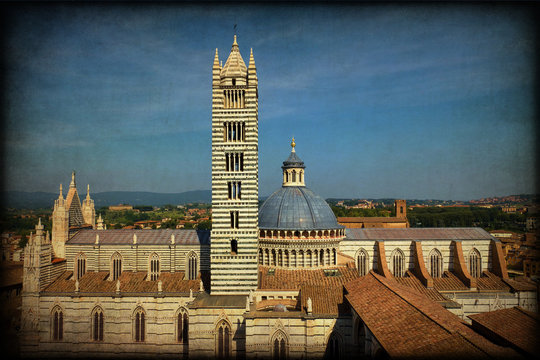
[(41, 199)]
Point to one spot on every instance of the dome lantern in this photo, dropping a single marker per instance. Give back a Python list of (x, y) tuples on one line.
[(293, 169)]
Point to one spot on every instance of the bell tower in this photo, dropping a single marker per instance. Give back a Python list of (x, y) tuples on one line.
[(235, 165)]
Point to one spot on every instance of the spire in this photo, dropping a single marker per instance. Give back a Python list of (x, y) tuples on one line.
[(234, 66), (216, 59), (251, 60), (61, 196), (88, 192), (72, 184)]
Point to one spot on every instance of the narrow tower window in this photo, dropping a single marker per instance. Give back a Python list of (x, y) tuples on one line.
[(234, 247)]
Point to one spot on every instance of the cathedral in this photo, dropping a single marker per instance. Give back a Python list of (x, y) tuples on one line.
[(285, 280)]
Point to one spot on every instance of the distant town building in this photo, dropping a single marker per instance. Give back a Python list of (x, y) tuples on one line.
[(398, 221), (120, 207)]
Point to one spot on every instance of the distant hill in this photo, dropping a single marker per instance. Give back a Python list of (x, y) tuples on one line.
[(34, 200)]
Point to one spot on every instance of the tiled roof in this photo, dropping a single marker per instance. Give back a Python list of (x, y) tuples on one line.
[(130, 282), (284, 279), (521, 284), (490, 281), (366, 219), (449, 282), (515, 325), (144, 237), (413, 282), (324, 299), (408, 324), (417, 234)]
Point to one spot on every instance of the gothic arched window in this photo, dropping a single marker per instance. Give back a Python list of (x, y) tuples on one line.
[(333, 349), (192, 266), (279, 345), (154, 267), (139, 325), (116, 266), (398, 263), (182, 326), (362, 262), (435, 263), (475, 263), (80, 266), (223, 340), (97, 324), (57, 323)]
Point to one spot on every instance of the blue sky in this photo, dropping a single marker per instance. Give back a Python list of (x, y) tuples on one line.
[(401, 101)]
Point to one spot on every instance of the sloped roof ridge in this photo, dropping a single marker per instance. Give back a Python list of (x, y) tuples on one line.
[(413, 293)]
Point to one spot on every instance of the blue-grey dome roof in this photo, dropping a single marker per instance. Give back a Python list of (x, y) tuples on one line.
[(296, 208), (293, 161)]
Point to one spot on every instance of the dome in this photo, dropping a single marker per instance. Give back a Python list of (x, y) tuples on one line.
[(296, 208)]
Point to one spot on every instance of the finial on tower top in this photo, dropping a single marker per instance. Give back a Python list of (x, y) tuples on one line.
[(60, 189), (72, 184), (293, 144), (235, 43)]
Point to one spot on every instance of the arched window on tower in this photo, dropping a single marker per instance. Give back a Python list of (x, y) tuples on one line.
[(362, 262), (182, 326), (97, 324), (116, 266), (154, 267), (279, 345), (139, 325), (223, 340), (398, 263), (57, 324), (435, 263), (475, 263), (80, 266), (192, 266)]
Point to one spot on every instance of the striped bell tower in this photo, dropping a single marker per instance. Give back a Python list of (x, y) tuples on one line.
[(235, 166)]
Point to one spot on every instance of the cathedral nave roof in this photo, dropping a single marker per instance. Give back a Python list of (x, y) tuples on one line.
[(143, 237)]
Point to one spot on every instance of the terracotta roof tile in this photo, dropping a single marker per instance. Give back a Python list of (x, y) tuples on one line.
[(516, 325), (413, 282), (96, 282), (324, 299), (405, 321), (284, 279), (449, 282)]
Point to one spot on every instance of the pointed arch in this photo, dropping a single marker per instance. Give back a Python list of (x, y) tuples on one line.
[(192, 265), (57, 323), (153, 266), (139, 324), (80, 265), (334, 346), (435, 263), (362, 262), (182, 325), (98, 322), (398, 263), (279, 345), (116, 265), (223, 339), (475, 263)]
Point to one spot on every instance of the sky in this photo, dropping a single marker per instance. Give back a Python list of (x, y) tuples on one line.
[(414, 101)]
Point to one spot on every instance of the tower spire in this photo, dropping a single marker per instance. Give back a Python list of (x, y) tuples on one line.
[(72, 184), (61, 196), (88, 192), (216, 59)]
